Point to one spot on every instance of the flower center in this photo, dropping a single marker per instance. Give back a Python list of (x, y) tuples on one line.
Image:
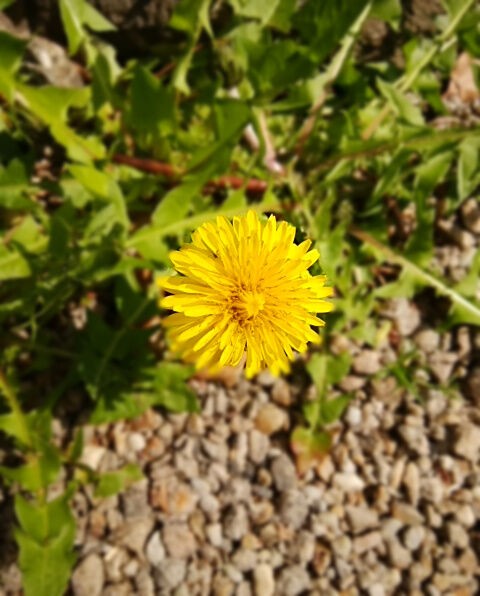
[(246, 304), (252, 303)]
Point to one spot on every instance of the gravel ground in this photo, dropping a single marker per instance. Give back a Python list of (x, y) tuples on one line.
[(393, 509)]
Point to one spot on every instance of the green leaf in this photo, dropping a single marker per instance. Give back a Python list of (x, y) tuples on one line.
[(13, 265), (51, 105), (152, 106), (11, 51), (176, 204), (15, 186), (14, 425), (428, 175), (45, 539), (387, 10), (468, 176), (40, 470), (401, 104), (274, 12), (171, 389), (112, 483), (25, 240), (149, 235), (317, 369), (75, 448), (104, 187), (323, 24), (169, 217), (76, 14), (332, 409), (191, 17), (231, 117), (105, 72)]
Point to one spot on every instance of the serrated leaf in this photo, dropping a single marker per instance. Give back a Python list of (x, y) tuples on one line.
[(45, 539), (50, 105), (42, 468), (76, 14), (111, 483)]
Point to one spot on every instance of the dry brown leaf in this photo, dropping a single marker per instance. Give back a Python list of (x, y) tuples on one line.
[(462, 88)]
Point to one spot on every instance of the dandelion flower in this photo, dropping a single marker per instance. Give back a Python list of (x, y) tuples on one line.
[(244, 288)]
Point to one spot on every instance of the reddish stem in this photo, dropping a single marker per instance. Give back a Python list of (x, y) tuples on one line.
[(152, 166)]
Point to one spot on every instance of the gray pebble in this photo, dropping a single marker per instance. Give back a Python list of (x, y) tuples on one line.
[(458, 536), (244, 560), (405, 314), (348, 482), (362, 518), (467, 442), (178, 540), (303, 547), (282, 393), (155, 550), (134, 533), (214, 534), (293, 508), (427, 340), (366, 542), (89, 577), (283, 473), (399, 556), (243, 589), (135, 500), (465, 516), (263, 580), (235, 523), (144, 584), (293, 580), (259, 446), (170, 574), (413, 537), (367, 362)]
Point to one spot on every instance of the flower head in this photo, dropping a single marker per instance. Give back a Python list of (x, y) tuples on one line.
[(244, 287)]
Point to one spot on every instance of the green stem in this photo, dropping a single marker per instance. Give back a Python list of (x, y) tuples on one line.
[(456, 298), (439, 45)]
